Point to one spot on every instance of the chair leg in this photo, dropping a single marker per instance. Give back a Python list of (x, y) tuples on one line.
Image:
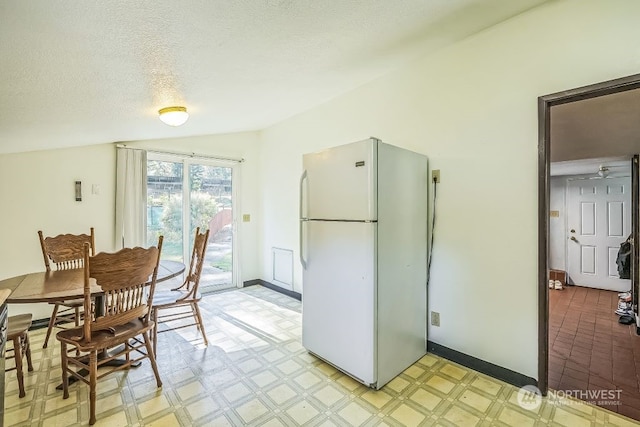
[(93, 379), (152, 358), (52, 322), (65, 374), (199, 322), (17, 352), (155, 332), (26, 347), (77, 316)]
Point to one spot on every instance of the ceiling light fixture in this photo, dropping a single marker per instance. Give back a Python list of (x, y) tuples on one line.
[(173, 116)]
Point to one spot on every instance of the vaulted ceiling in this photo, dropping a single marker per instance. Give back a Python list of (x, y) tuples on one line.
[(87, 72)]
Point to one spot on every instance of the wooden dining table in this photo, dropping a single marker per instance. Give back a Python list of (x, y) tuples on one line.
[(52, 286), (60, 285)]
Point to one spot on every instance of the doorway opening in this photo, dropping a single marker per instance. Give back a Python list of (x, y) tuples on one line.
[(584, 367), (185, 193)]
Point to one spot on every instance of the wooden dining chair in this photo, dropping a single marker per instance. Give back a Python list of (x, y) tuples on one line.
[(18, 332), (65, 252), (121, 316), (182, 302)]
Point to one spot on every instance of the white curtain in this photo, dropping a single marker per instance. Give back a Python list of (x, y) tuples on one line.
[(131, 198)]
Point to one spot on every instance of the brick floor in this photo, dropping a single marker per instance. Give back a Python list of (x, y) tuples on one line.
[(590, 350)]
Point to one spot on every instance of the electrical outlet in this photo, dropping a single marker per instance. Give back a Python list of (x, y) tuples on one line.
[(435, 175), (435, 318)]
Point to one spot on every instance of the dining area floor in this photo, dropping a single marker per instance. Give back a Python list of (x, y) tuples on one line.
[(256, 372)]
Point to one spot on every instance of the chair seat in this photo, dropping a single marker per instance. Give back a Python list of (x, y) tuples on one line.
[(73, 303), (17, 331), (101, 340), (164, 299), (18, 325)]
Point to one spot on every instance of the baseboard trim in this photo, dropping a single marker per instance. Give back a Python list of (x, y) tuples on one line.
[(487, 368), (39, 324), (273, 287)]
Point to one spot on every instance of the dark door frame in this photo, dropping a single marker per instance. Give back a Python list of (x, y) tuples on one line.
[(544, 159)]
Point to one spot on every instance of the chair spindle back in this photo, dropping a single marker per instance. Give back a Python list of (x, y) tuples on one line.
[(197, 261), (66, 251), (124, 277)]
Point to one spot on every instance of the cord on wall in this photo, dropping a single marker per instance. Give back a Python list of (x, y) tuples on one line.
[(435, 181)]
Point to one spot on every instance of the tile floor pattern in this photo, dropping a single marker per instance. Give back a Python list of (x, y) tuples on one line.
[(590, 350), (256, 373)]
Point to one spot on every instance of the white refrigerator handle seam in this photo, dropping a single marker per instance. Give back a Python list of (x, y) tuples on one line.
[(303, 177)]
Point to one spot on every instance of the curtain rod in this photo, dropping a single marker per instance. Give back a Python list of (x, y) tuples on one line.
[(191, 155)]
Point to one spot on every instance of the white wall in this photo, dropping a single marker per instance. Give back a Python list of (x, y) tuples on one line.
[(558, 225), (37, 193), (472, 108)]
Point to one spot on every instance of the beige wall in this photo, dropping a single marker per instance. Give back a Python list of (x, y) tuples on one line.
[(37, 193), (472, 108)]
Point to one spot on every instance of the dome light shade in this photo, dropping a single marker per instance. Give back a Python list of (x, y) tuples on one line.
[(173, 116)]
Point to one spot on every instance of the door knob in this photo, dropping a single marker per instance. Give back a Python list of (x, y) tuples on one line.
[(574, 239)]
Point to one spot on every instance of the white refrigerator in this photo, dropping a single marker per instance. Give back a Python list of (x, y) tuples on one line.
[(363, 250)]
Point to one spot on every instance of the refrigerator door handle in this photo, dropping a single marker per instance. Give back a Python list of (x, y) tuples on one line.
[(303, 177), (302, 260)]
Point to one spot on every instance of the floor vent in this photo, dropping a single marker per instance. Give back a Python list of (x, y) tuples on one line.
[(282, 267)]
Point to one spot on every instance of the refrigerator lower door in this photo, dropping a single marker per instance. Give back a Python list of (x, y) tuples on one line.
[(339, 298)]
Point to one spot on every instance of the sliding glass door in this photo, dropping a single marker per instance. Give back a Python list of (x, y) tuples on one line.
[(185, 193)]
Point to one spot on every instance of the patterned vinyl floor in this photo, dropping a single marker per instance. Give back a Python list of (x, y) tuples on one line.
[(255, 372)]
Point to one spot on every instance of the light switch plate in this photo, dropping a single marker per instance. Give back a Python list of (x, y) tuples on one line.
[(246, 218)]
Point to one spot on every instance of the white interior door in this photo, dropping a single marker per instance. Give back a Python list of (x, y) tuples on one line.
[(598, 221)]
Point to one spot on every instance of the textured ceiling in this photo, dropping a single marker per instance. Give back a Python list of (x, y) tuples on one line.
[(87, 72)]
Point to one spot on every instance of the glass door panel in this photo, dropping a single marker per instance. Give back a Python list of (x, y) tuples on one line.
[(165, 207), (185, 193), (211, 207)]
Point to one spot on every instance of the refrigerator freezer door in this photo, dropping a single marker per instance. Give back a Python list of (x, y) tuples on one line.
[(338, 304), (340, 183)]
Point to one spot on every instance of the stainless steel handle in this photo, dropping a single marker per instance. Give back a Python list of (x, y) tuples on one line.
[(302, 221)]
